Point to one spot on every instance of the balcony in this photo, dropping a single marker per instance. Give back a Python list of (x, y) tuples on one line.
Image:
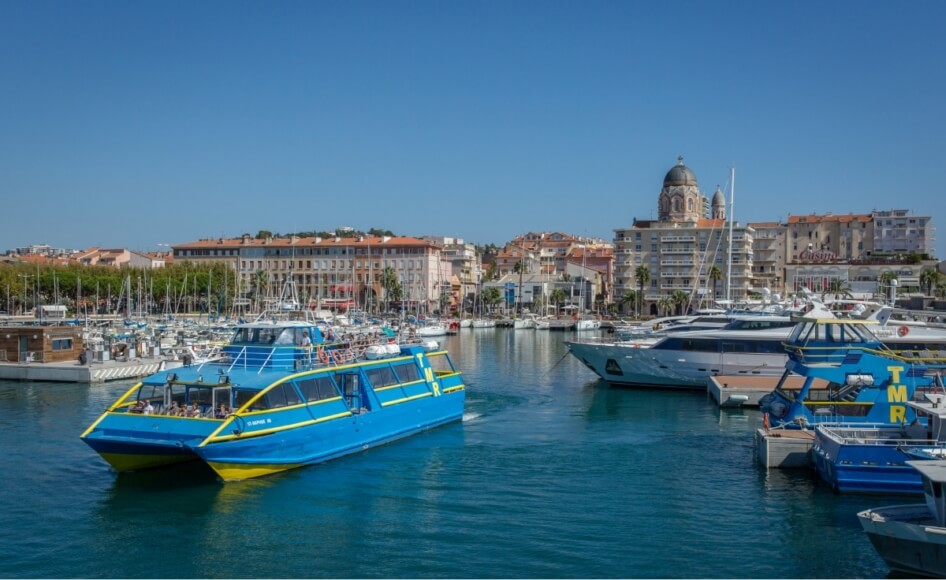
[(675, 238)]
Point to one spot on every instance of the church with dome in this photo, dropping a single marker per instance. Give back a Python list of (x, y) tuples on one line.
[(685, 251)]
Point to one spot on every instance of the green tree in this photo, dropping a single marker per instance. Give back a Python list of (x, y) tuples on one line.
[(391, 284), (680, 300), (665, 305), (557, 297), (884, 282), (837, 288), (642, 273), (715, 275), (929, 278), (491, 296), (628, 300)]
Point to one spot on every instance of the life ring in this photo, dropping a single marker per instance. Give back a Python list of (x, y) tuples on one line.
[(323, 356), (903, 331)]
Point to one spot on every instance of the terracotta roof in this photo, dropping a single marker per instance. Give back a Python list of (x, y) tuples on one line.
[(828, 218), (232, 243)]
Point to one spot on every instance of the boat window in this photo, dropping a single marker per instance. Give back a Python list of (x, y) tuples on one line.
[(381, 376), (241, 335), (200, 395), (317, 389), (283, 395), (406, 372), (241, 397), (287, 336), (613, 368), (441, 364)]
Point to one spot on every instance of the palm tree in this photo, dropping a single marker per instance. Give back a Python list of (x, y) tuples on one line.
[(679, 298), (941, 289), (665, 305), (557, 297), (628, 299), (929, 277), (884, 281), (391, 284), (837, 287), (715, 274), (642, 273)]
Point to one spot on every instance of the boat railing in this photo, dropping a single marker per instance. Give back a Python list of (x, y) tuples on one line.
[(829, 412), (236, 359), (878, 437), (836, 355)]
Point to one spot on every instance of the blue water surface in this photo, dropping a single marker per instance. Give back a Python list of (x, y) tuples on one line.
[(551, 474)]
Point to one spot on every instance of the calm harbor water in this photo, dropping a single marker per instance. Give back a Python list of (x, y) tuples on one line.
[(551, 474)]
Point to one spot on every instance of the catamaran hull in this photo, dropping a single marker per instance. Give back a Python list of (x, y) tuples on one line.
[(256, 456), (131, 442), (627, 364)]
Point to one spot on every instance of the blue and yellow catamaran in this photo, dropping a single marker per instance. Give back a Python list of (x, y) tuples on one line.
[(280, 397)]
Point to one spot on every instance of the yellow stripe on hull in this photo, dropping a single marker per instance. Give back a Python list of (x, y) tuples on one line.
[(240, 471), (131, 462)]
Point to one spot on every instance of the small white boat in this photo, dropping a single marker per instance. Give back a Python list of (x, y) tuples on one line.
[(912, 538), (587, 324), (431, 330), (483, 323)]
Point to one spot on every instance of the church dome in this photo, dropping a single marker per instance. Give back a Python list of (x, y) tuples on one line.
[(679, 174), (718, 197)]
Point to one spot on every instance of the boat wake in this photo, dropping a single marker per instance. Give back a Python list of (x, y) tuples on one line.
[(471, 416)]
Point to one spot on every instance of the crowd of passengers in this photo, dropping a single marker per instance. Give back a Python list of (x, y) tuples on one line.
[(144, 407)]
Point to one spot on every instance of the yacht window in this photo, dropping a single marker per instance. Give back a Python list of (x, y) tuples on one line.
[(317, 389), (381, 376), (276, 397), (287, 336), (613, 368), (407, 372)]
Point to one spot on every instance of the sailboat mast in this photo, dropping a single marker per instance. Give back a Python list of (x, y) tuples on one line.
[(732, 201)]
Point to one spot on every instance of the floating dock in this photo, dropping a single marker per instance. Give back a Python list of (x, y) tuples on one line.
[(746, 391), (74, 372), (784, 448)]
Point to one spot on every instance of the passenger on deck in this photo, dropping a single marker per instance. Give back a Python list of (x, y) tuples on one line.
[(138, 408), (147, 409), (194, 411), (222, 412), (305, 339)]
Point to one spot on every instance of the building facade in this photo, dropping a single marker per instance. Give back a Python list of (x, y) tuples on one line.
[(330, 272), (684, 250), (897, 231)]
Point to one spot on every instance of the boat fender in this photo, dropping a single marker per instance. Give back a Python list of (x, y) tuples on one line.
[(765, 421), (903, 331)]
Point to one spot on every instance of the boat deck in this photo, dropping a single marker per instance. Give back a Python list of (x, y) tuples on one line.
[(745, 391)]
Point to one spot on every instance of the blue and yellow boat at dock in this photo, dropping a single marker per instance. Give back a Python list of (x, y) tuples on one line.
[(280, 397)]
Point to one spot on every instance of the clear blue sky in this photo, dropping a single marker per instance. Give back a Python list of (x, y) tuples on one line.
[(139, 123)]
